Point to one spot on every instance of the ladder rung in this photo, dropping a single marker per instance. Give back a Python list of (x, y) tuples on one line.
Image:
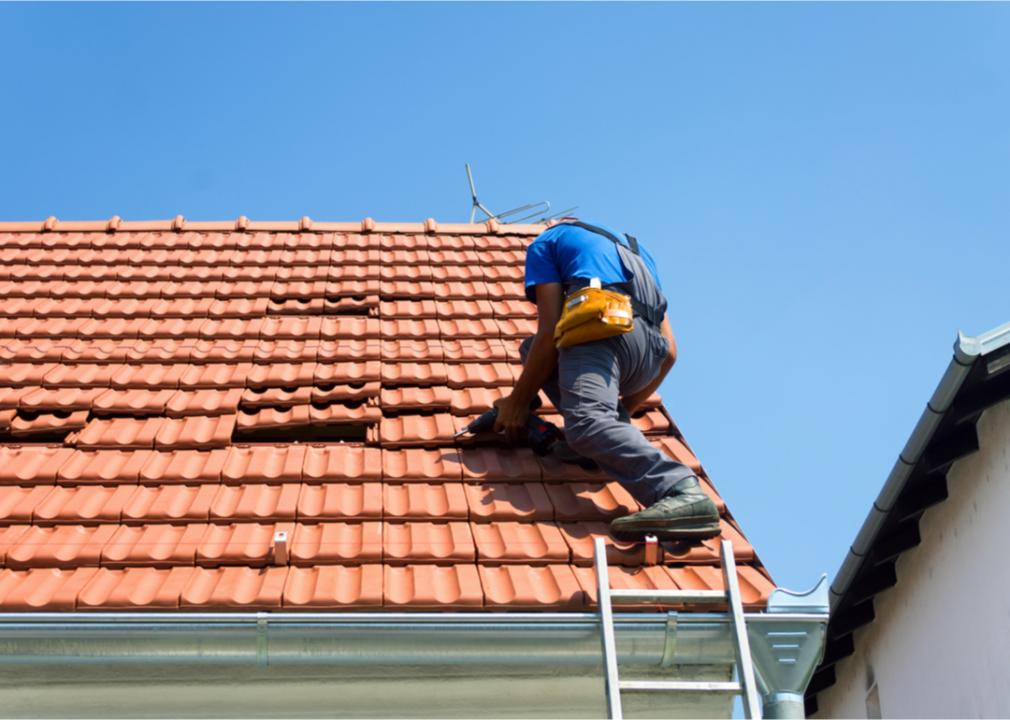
[(686, 596), (679, 686)]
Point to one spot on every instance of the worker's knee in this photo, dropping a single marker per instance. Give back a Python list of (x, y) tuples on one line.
[(581, 429), (524, 348)]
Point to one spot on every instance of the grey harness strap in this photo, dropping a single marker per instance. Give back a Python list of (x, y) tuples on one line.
[(647, 300)]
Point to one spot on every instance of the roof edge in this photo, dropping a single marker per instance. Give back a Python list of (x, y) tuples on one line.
[(244, 224), (967, 350), (968, 353)]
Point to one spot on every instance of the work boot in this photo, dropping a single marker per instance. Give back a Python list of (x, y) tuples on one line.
[(564, 452), (686, 513)]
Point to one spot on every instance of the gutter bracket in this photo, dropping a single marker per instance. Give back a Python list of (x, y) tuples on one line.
[(670, 641), (262, 641)]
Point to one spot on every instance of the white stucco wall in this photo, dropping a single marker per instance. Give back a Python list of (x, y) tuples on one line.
[(940, 644)]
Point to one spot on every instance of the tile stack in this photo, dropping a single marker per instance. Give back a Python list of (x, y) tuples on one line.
[(212, 416)]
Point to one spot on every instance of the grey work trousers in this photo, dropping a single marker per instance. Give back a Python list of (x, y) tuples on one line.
[(587, 387)]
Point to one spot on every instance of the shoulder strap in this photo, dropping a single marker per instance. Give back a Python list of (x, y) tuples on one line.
[(651, 314), (632, 241)]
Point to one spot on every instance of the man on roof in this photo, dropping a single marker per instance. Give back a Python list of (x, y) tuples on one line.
[(598, 356)]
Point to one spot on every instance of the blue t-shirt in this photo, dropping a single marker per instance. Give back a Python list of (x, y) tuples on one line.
[(565, 252)]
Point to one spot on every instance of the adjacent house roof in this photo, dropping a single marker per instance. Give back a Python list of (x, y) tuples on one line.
[(976, 379), (221, 415)]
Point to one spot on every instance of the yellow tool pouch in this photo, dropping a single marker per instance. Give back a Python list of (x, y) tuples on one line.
[(593, 314)]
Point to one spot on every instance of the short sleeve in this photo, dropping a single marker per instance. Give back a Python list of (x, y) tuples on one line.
[(541, 266)]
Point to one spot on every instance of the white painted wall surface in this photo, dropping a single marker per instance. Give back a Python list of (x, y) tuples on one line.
[(940, 644)]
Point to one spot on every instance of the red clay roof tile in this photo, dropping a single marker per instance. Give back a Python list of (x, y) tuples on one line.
[(399, 399), (65, 546), (419, 542), (195, 432), (413, 309), (162, 331), (170, 503), (28, 423), (120, 433), (103, 467), (475, 350), (341, 463), (10, 397), (334, 586), (183, 466), (434, 587), (421, 465), (424, 501), (330, 543), (129, 402), (328, 393), (262, 418), (216, 376), (411, 373), (653, 422), (263, 463), (25, 374), (43, 399), (82, 504), (553, 470), (256, 502), (526, 587), (472, 400), (517, 465), (508, 501), (580, 537), (340, 501), (234, 587), (136, 588), (343, 373), (245, 544), (34, 465), (9, 536), (494, 374), (590, 501), (50, 589), (157, 545), (414, 430), (520, 542), (19, 503), (204, 402)]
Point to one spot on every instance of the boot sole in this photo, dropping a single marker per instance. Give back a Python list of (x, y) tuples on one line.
[(681, 531)]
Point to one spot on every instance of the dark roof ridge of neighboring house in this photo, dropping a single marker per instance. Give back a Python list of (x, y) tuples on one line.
[(977, 377)]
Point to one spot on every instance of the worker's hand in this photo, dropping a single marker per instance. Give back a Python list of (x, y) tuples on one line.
[(512, 417)]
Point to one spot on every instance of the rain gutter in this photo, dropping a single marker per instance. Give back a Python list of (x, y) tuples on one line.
[(787, 643), (967, 351)]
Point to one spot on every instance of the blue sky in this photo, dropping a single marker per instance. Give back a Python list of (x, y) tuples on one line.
[(825, 187)]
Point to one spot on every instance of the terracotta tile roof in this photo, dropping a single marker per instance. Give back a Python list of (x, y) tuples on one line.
[(220, 415)]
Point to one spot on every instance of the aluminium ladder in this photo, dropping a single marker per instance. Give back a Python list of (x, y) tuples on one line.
[(744, 685)]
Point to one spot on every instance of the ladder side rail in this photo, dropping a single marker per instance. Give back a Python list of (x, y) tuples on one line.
[(741, 643), (611, 680)]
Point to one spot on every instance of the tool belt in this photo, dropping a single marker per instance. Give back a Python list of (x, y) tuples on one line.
[(593, 314)]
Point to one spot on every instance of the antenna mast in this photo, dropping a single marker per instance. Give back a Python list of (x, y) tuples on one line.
[(531, 210)]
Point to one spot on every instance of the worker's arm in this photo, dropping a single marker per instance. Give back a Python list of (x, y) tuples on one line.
[(634, 401), (514, 410)]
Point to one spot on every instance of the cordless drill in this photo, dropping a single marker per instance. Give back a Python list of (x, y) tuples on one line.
[(540, 434)]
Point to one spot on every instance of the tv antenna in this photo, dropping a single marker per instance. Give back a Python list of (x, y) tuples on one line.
[(526, 212)]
